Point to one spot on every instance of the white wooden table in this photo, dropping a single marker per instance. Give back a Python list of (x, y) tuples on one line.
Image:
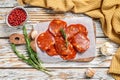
[(12, 68)]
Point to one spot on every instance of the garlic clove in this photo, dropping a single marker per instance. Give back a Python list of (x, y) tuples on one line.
[(107, 49), (90, 72), (34, 34), (32, 44)]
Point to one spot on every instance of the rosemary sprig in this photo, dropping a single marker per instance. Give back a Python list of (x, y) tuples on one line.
[(32, 55), (64, 36), (18, 54)]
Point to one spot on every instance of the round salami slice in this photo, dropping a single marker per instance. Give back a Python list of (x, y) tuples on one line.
[(52, 51), (73, 29), (67, 52), (71, 56), (82, 29), (55, 26), (80, 42), (45, 40), (60, 46)]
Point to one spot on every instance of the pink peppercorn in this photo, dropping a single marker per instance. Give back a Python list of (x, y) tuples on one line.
[(17, 17)]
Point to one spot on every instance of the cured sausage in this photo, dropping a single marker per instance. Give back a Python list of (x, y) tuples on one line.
[(45, 40), (66, 52), (55, 26), (80, 42), (82, 29), (60, 46), (73, 29), (71, 56), (52, 51), (64, 41)]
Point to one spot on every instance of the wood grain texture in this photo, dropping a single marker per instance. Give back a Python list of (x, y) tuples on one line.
[(58, 74), (8, 3), (12, 68), (9, 59), (37, 15)]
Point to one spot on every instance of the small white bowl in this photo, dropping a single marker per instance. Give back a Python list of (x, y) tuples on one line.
[(18, 7)]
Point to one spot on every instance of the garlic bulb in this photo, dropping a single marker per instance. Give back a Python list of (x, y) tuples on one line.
[(107, 49), (90, 72), (34, 34)]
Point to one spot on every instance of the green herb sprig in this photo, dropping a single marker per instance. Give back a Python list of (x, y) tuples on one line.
[(64, 36), (32, 58)]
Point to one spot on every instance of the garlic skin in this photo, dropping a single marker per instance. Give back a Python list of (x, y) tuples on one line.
[(90, 72), (32, 44), (34, 34), (107, 49)]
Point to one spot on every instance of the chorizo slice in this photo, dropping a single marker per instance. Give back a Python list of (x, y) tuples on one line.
[(80, 42), (82, 29), (73, 29), (45, 40), (66, 52), (55, 26), (60, 46), (52, 51), (71, 56)]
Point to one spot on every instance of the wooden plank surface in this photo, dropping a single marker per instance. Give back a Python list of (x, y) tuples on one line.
[(57, 74), (38, 15), (8, 3), (12, 68), (9, 59)]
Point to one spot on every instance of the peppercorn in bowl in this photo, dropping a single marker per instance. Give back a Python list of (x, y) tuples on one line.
[(16, 17)]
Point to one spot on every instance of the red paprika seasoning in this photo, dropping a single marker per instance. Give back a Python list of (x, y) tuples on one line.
[(17, 17)]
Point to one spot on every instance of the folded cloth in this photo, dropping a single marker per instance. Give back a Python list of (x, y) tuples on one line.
[(108, 11)]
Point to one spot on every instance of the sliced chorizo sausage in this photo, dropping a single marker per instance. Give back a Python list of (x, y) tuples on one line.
[(45, 40), (60, 46), (52, 51), (55, 26), (71, 56), (82, 29), (80, 42), (73, 29), (66, 52)]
